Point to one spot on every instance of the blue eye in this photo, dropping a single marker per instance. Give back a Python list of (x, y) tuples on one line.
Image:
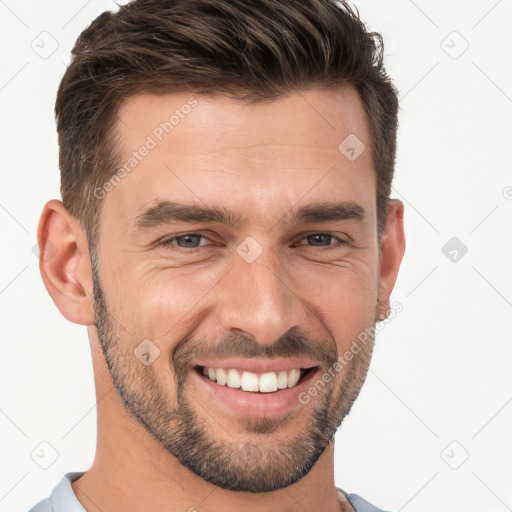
[(188, 240), (322, 238), (192, 242)]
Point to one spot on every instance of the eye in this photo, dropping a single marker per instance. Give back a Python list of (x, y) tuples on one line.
[(323, 240), (191, 242), (186, 241)]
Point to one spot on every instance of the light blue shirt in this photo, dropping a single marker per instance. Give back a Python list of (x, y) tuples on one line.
[(63, 499)]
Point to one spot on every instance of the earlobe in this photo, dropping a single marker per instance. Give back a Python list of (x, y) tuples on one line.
[(64, 263), (392, 251)]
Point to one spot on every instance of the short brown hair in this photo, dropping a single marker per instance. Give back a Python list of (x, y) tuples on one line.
[(252, 50)]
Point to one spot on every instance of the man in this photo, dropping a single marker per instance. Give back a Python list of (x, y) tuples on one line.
[(226, 235)]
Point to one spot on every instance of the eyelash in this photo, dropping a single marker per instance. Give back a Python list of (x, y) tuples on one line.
[(169, 241)]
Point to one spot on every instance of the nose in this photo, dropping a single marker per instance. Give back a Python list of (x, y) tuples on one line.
[(259, 299)]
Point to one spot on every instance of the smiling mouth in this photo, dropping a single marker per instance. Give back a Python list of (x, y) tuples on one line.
[(268, 382)]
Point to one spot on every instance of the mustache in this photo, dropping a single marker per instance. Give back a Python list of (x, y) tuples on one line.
[(293, 344)]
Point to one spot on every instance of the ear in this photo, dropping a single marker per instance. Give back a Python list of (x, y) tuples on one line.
[(392, 251), (65, 264)]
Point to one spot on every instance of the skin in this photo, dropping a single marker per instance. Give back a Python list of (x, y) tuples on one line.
[(261, 160)]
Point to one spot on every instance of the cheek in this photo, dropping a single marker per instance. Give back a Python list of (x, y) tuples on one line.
[(344, 300), (170, 301), (166, 304)]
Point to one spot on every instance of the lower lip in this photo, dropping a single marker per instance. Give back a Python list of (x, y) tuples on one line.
[(253, 404)]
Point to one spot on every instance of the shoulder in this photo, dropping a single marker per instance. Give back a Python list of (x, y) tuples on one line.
[(42, 506), (359, 503), (62, 498)]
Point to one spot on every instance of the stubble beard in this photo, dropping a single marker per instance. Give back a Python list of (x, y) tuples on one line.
[(258, 465)]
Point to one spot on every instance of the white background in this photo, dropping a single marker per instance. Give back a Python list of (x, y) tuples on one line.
[(439, 388)]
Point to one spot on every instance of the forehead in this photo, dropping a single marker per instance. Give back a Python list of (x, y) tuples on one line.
[(216, 122), (218, 150)]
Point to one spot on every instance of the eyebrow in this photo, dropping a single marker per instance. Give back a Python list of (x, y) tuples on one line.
[(166, 212)]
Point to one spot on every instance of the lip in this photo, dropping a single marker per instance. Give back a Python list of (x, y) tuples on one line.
[(253, 404), (257, 365)]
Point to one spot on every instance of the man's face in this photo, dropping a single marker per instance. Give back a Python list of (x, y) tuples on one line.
[(279, 292)]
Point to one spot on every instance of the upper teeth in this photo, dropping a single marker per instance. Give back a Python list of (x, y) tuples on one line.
[(248, 381)]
